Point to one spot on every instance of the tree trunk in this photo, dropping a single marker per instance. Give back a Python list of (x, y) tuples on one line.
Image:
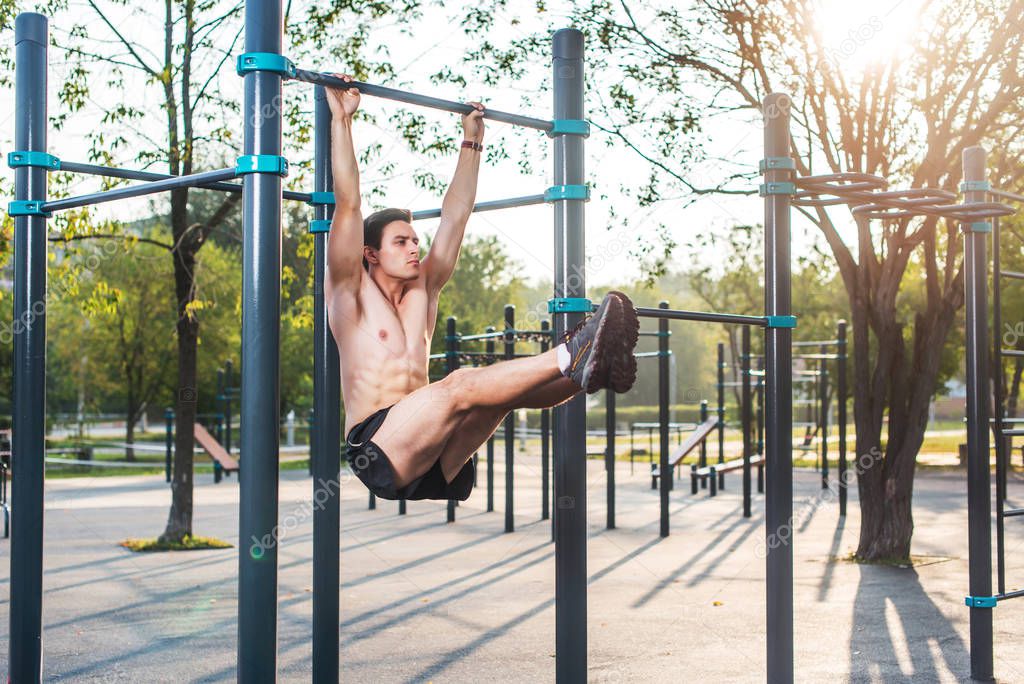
[(179, 520), (129, 438)]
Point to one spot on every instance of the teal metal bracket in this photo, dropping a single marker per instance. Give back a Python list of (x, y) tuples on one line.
[(40, 160), (261, 163), (27, 208), (321, 198), (249, 62), (780, 321), (569, 127), (567, 192), (774, 163), (570, 305), (980, 601), (320, 226), (975, 186), (786, 188), (978, 227)]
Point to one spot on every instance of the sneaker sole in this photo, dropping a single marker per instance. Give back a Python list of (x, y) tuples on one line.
[(612, 357)]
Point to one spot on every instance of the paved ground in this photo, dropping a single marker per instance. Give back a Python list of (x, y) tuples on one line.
[(426, 601)]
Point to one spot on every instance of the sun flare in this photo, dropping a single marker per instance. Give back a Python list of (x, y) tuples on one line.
[(857, 36)]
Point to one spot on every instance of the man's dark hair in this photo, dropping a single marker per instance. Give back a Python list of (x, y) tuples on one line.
[(373, 227)]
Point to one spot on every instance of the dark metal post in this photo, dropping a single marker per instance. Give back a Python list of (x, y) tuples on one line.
[(510, 424), (702, 459), (570, 418), (325, 428), (841, 412), (664, 470), (759, 394), (746, 418), (261, 346), (778, 395), (451, 345), (28, 433), (228, 398), (168, 441), (545, 441), (721, 410), (489, 347), (979, 495), (609, 456), (823, 413)]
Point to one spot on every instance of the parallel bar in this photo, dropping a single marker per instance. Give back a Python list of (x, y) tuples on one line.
[(490, 205), (28, 436), (703, 316), (420, 100), (510, 429), (979, 501), (261, 346), (132, 174), (1011, 594), (325, 451), (570, 520), (999, 407), (152, 187), (665, 472), (778, 401), (1007, 195)]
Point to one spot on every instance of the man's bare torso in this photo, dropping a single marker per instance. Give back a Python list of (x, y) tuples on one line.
[(383, 347)]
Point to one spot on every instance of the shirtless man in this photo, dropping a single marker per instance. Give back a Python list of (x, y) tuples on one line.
[(407, 438)]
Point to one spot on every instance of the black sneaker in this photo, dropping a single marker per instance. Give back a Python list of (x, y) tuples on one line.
[(601, 347)]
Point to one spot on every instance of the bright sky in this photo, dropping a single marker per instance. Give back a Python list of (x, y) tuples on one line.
[(859, 32)]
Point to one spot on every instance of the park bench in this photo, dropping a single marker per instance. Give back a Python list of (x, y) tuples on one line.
[(695, 438), (222, 460)]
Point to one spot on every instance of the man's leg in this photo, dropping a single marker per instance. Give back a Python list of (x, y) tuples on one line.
[(417, 429)]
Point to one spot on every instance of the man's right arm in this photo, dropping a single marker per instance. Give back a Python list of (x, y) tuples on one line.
[(345, 241)]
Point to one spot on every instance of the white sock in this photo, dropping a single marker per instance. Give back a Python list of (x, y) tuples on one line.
[(562, 353)]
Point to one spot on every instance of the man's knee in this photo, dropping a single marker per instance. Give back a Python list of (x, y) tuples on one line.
[(458, 389)]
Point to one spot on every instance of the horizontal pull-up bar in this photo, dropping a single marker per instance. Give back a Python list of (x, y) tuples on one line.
[(490, 205), (701, 316), (132, 174), (416, 99), (172, 183)]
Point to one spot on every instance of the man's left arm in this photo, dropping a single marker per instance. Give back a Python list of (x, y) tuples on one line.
[(457, 207)]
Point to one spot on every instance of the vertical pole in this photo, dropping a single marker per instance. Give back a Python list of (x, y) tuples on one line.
[(1003, 444), (28, 433), (721, 410), (570, 418), (261, 316), (168, 441), (760, 423), (451, 345), (489, 348), (823, 414), (979, 496), (702, 458), (609, 456), (545, 441), (228, 396), (325, 435), (841, 412), (746, 418), (664, 470), (510, 425), (778, 398)]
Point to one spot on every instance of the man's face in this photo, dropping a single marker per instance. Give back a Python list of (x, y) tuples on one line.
[(399, 254)]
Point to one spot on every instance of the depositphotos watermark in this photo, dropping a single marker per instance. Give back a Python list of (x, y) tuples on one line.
[(784, 533)]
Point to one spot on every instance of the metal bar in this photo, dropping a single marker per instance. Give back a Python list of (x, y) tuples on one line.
[(813, 343), (1007, 195), (778, 401), (746, 418), (451, 364), (325, 438), (168, 442), (979, 515), (419, 100), (489, 346), (28, 436), (545, 442), (510, 428), (491, 205), (823, 415), (132, 174), (1012, 275), (999, 406), (172, 183), (609, 457), (665, 471), (842, 391), (721, 411), (261, 345), (1011, 594), (817, 357), (570, 520), (1012, 513), (701, 316)]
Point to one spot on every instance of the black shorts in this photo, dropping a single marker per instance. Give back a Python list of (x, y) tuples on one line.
[(371, 465)]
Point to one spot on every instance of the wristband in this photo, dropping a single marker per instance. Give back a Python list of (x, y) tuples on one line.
[(472, 145)]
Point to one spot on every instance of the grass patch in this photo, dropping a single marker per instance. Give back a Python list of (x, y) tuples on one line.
[(189, 543)]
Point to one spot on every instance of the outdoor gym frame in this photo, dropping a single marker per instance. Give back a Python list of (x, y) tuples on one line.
[(261, 168)]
